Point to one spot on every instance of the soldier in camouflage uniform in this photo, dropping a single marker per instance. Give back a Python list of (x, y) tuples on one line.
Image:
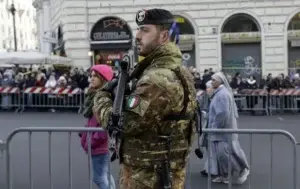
[(162, 103)]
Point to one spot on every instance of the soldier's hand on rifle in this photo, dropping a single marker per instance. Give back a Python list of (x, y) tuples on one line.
[(110, 86)]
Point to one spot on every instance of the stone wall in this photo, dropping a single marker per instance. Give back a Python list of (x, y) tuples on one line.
[(208, 16)]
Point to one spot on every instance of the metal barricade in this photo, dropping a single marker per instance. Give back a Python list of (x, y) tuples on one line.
[(69, 182), (284, 100), (251, 132), (260, 100), (50, 132), (41, 97), (10, 98), (2, 148), (252, 100)]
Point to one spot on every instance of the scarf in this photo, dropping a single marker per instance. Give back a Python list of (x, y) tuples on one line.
[(89, 103), (251, 82), (222, 79)]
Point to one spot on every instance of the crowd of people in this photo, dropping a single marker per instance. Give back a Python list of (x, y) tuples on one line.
[(239, 82), (47, 77), (43, 77), (78, 77)]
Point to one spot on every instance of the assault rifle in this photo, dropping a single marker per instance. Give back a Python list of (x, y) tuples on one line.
[(115, 123)]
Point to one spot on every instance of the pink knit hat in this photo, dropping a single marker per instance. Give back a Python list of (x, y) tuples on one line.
[(104, 70)]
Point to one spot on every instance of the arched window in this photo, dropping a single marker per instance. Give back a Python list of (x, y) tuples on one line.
[(241, 46), (240, 23)]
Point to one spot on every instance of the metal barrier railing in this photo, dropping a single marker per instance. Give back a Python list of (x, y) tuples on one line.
[(52, 98), (66, 98), (41, 97), (50, 131), (286, 99), (262, 100), (69, 130)]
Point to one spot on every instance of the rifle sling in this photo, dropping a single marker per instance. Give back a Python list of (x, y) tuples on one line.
[(182, 115)]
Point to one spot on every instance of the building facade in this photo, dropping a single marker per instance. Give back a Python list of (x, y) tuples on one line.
[(25, 26), (250, 37)]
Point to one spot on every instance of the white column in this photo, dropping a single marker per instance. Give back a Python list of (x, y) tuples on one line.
[(47, 27), (40, 17)]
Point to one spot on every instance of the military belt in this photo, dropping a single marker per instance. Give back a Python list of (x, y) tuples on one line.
[(154, 138), (144, 150)]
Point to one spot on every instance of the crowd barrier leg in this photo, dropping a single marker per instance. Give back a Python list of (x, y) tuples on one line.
[(81, 106), (2, 148), (82, 102), (22, 105), (19, 97)]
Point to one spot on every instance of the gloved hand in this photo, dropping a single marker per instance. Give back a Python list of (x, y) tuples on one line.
[(110, 86)]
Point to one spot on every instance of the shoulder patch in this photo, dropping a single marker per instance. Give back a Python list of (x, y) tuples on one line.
[(133, 101)]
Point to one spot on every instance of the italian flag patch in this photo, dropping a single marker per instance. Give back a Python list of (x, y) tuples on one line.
[(133, 101)]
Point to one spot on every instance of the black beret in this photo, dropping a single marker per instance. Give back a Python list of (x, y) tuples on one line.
[(154, 17)]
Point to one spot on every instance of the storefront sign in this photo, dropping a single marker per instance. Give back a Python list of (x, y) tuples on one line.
[(295, 43), (99, 36), (180, 19), (243, 37), (294, 34), (114, 56), (108, 57), (111, 29)]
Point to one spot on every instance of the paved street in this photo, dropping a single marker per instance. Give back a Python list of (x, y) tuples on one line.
[(282, 154)]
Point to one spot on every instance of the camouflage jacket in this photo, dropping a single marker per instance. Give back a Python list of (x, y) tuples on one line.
[(157, 92)]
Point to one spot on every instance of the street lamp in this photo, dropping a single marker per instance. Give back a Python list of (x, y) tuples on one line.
[(91, 54), (12, 10)]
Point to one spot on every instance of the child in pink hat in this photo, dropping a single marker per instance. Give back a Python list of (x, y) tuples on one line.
[(100, 74)]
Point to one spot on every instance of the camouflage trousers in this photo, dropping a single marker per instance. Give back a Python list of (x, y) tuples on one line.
[(140, 178)]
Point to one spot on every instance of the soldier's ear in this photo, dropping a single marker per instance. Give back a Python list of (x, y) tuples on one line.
[(165, 36)]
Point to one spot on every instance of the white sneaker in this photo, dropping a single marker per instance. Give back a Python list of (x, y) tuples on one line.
[(217, 180), (226, 180), (243, 176)]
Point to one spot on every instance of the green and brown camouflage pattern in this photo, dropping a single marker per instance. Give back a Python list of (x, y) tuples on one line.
[(160, 93), (130, 178)]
